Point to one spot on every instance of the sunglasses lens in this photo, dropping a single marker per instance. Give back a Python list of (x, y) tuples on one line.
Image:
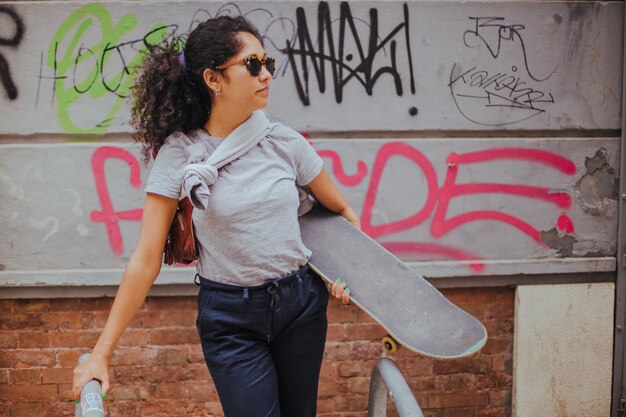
[(269, 64), (254, 66)]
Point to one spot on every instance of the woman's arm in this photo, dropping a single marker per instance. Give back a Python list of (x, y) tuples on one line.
[(141, 271), (326, 192)]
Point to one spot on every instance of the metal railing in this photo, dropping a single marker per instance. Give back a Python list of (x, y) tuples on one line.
[(386, 377)]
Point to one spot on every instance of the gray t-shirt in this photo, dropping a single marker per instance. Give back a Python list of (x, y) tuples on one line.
[(249, 232)]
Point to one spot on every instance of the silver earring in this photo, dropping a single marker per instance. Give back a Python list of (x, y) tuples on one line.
[(217, 92)]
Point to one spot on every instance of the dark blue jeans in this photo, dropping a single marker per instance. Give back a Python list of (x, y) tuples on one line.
[(263, 345)]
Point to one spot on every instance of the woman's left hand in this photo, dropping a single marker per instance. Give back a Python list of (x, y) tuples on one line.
[(339, 290)]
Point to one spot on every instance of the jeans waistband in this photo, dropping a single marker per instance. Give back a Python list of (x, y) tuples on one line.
[(204, 282)]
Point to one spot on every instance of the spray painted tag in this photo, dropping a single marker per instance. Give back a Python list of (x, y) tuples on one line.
[(90, 402)]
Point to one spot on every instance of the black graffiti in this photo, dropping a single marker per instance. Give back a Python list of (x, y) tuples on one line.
[(111, 58), (13, 41), (495, 91), (343, 70), (483, 29)]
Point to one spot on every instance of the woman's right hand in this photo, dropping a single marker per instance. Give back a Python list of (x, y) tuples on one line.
[(95, 367)]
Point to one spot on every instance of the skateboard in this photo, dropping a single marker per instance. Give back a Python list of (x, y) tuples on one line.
[(414, 313)]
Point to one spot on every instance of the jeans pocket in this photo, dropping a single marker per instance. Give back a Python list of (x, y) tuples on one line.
[(204, 298)]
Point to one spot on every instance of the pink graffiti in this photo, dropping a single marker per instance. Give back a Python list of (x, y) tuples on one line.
[(438, 198), (565, 224), (108, 215)]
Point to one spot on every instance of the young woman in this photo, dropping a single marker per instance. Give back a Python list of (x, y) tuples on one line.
[(261, 310)]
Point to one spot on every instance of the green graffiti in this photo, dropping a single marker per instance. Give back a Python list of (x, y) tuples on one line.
[(114, 88)]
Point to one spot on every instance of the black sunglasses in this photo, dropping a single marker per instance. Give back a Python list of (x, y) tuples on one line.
[(254, 64)]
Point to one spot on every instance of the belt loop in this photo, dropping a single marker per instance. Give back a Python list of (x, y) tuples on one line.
[(246, 294), (196, 280)]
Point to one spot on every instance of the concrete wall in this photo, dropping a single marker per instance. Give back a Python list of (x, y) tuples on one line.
[(561, 350), (474, 139)]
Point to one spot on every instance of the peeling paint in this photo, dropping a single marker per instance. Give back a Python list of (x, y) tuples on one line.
[(598, 189), (564, 245)]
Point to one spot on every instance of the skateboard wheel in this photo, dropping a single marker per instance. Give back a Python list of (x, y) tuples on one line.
[(389, 344)]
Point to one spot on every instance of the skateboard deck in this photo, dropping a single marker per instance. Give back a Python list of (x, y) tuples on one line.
[(414, 312)]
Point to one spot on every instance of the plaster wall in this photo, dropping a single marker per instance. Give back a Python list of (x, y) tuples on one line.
[(563, 350)]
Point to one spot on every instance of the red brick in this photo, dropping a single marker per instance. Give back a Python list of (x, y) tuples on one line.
[(498, 344), (458, 412), (499, 327), (366, 349), (500, 310), (86, 338), (169, 356), (337, 351), (4, 379), (81, 304), (494, 380), (59, 409), (325, 406), (65, 390), (69, 320), (336, 331), (494, 412), (455, 382), (121, 409), (456, 399), (133, 356), (30, 306), (21, 322), (195, 353), (26, 409), (365, 331), (34, 340), (329, 369), (355, 368), (178, 318), (29, 392), (8, 340), (142, 320), (477, 364), (500, 398), (359, 385), (6, 306), (176, 336), (422, 383), (502, 362), (130, 392), (340, 314), (171, 303), (415, 366), (26, 358), (57, 375), (329, 387), (25, 376), (68, 358), (134, 337)]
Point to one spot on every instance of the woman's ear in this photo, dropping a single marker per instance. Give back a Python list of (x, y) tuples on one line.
[(212, 79)]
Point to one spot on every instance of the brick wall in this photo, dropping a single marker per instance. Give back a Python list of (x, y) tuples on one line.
[(158, 370)]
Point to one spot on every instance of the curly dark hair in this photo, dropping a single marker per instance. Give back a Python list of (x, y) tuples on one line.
[(169, 93)]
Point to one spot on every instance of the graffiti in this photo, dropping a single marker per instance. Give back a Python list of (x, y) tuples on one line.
[(438, 198), (108, 215), (484, 28), (102, 70), (434, 209), (13, 41), (481, 94), (478, 95), (343, 69)]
